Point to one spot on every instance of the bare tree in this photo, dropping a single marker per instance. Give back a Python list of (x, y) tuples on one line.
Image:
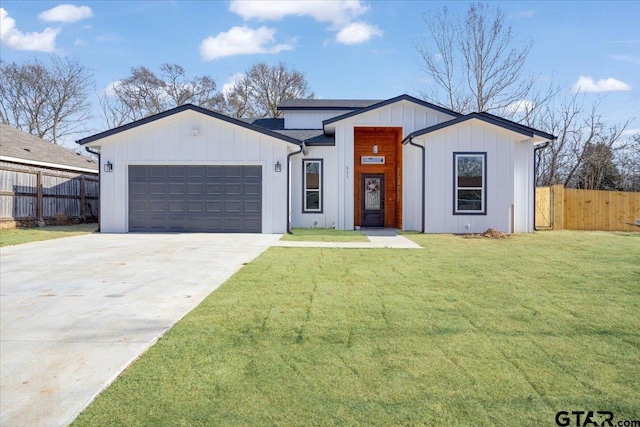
[(143, 94), (628, 161), (583, 137), (475, 63), (259, 92), (49, 100)]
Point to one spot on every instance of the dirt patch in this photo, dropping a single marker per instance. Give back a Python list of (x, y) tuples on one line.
[(489, 234)]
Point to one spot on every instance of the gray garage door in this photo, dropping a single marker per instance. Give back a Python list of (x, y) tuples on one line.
[(195, 198)]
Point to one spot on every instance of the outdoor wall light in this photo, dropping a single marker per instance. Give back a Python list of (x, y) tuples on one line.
[(375, 148), (194, 132), (108, 167), (278, 166)]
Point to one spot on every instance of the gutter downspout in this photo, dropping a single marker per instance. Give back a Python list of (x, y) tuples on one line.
[(409, 139), (97, 153), (535, 175), (303, 149)]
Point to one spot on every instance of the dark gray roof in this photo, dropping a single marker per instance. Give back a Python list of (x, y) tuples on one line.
[(309, 136), (389, 101), (326, 104), (487, 118), (29, 148), (240, 122), (268, 123)]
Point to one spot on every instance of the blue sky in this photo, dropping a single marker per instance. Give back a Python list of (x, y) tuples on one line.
[(347, 49)]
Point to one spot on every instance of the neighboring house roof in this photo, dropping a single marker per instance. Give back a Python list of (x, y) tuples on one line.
[(22, 147), (326, 104), (487, 118), (308, 136), (180, 109), (392, 101)]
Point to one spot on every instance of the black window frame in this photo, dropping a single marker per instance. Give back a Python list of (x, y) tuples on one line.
[(483, 198), (321, 185)]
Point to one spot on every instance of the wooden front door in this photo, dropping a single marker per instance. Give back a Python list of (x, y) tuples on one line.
[(372, 192)]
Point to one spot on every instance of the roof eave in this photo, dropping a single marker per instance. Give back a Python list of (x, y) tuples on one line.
[(405, 97), (90, 141)]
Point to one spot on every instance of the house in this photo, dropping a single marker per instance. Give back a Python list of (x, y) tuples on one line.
[(402, 163), (42, 182)]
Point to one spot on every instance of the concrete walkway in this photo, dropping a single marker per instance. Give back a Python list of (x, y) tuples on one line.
[(378, 238)]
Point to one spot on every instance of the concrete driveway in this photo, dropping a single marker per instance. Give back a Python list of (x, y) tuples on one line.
[(75, 312)]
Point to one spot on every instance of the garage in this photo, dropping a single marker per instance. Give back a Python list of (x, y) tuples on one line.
[(195, 198)]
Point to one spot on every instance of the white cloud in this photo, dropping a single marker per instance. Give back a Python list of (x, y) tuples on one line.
[(520, 107), (110, 90), (588, 85), (230, 83), (241, 41), (80, 42), (66, 13), (339, 13), (10, 36), (357, 32)]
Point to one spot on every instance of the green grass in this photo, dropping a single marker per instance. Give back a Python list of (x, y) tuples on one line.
[(466, 332), (18, 236), (324, 235)]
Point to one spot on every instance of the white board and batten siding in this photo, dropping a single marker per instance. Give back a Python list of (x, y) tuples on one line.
[(171, 141), (326, 218), (406, 115), (309, 119), (509, 175)]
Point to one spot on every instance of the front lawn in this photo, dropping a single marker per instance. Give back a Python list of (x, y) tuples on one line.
[(16, 236), (324, 235), (466, 332)]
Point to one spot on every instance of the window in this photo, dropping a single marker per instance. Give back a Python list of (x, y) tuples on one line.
[(312, 186), (470, 181)]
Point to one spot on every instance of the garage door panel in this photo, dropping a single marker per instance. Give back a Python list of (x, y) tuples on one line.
[(174, 171), (214, 172), (215, 206), (255, 173), (252, 207), (231, 172), (160, 172), (195, 171), (251, 224), (252, 189), (232, 189), (214, 189), (195, 198)]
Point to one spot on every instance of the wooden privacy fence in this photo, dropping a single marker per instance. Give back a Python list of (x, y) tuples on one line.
[(36, 194), (561, 208)]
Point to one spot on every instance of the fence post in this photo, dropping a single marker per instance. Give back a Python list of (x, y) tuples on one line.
[(39, 199), (83, 207), (557, 192)]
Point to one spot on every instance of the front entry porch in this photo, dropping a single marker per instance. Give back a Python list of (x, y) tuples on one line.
[(378, 177)]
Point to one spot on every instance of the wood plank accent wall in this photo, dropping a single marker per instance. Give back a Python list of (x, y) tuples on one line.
[(574, 209), (388, 140)]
